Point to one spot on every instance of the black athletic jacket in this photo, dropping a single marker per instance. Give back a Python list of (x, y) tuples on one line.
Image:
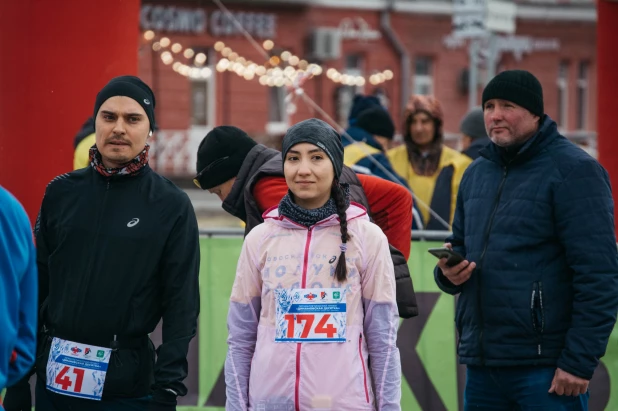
[(115, 256)]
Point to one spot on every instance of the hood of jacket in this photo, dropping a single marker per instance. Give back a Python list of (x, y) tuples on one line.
[(360, 135), (235, 201)]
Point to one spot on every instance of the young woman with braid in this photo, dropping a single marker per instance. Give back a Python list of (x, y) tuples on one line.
[(313, 316)]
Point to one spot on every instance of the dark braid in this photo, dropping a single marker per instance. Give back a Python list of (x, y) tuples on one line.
[(338, 195)]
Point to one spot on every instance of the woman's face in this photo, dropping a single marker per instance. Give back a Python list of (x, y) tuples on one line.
[(309, 174), (422, 129)]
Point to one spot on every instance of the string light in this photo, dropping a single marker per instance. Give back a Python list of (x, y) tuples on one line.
[(167, 57), (200, 58), (270, 73)]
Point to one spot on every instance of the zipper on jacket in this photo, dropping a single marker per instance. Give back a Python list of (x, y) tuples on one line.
[(299, 345), (537, 314), (360, 353), (95, 246), (480, 264)]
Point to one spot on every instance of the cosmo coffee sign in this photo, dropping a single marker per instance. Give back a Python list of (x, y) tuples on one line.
[(173, 19)]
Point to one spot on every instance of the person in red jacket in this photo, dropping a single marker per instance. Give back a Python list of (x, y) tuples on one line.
[(228, 158), (248, 178)]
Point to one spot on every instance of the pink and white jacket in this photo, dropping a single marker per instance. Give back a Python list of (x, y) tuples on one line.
[(261, 374)]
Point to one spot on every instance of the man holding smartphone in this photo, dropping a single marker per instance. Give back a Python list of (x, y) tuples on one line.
[(538, 289)]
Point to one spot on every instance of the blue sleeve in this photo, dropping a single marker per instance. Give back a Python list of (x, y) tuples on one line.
[(457, 241), (584, 220), (18, 291)]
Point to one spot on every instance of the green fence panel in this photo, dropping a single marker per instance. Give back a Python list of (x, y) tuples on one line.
[(433, 380)]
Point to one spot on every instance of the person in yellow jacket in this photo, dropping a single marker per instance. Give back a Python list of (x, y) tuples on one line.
[(433, 171), (81, 144)]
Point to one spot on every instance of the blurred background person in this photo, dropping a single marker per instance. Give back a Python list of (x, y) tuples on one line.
[(366, 154), (84, 139), (432, 170), (474, 134)]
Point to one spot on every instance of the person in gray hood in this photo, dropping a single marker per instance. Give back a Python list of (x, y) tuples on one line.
[(474, 135)]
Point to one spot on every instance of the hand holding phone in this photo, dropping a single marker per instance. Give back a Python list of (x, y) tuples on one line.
[(456, 268), (453, 258)]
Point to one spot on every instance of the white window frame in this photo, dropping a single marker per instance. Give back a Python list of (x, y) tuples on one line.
[(278, 127), (563, 86), (210, 85), (583, 90), (423, 80)]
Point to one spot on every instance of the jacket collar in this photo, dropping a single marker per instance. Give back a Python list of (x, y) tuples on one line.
[(360, 135), (355, 211), (546, 134), (235, 201)]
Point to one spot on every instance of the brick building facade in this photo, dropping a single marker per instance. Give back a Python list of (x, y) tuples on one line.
[(555, 39)]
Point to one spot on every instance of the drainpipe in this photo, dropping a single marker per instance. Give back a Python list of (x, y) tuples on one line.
[(385, 25)]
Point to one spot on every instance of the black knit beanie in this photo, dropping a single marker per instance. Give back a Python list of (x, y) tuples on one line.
[(318, 133), (519, 87), (128, 86), (376, 121), (221, 154)]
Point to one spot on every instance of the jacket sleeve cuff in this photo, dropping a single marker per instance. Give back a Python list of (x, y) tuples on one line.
[(564, 366), (164, 396), (444, 284)]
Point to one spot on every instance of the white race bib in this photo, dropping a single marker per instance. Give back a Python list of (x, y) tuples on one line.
[(311, 315), (77, 370)]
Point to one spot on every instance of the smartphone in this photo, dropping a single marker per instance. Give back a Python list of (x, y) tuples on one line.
[(443, 252)]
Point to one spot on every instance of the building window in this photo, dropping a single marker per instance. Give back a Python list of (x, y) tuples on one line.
[(423, 77), (199, 102), (203, 92), (582, 95), (276, 105), (563, 82), (345, 94)]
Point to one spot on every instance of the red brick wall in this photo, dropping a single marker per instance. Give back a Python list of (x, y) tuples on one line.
[(245, 103)]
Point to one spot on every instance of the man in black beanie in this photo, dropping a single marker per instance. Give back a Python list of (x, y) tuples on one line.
[(117, 251), (248, 178), (538, 287), (378, 122)]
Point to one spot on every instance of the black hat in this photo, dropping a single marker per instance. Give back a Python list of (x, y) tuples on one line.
[(473, 124), (318, 133), (359, 104), (376, 121), (519, 87), (220, 155), (128, 86)]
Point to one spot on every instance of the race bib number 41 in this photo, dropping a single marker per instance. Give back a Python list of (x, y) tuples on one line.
[(77, 370), (306, 315)]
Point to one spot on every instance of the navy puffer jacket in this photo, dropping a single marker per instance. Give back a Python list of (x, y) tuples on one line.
[(540, 228)]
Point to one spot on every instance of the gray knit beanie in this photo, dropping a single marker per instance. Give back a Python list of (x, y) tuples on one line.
[(473, 124), (318, 133)]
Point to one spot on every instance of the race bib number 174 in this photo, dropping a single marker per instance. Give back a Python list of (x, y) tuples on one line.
[(308, 315), (77, 370)]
